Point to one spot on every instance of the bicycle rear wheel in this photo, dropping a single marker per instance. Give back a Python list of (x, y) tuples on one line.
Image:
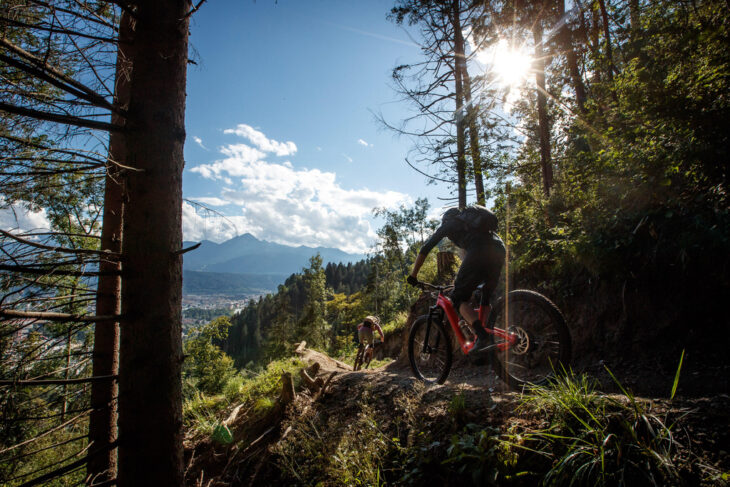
[(429, 350), (543, 346)]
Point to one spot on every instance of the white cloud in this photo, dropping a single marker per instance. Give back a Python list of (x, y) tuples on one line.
[(18, 218), (262, 142), (363, 143), (239, 155), (199, 141), (285, 204), (349, 159)]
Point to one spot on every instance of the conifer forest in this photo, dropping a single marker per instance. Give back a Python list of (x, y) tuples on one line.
[(597, 132)]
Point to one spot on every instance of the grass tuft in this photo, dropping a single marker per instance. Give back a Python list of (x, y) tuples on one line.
[(202, 412), (594, 439)]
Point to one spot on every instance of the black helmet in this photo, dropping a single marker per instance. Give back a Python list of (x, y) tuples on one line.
[(450, 213), (372, 320)]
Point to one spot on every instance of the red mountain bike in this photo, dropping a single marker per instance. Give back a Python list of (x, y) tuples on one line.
[(530, 342)]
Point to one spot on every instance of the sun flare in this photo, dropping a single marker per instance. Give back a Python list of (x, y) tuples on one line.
[(511, 64)]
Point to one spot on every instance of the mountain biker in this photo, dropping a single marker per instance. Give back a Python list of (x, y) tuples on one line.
[(472, 229), (365, 330)]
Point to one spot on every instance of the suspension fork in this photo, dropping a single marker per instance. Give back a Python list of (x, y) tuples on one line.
[(434, 313)]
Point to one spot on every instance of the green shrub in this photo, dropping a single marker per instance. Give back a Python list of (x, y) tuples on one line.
[(481, 456), (598, 440), (205, 362)]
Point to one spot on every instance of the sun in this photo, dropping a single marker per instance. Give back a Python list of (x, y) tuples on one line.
[(511, 64)]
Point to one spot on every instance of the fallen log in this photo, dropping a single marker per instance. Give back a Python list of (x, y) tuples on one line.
[(309, 378)]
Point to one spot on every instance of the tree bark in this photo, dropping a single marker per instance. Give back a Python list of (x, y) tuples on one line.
[(566, 41), (593, 32), (103, 419), (150, 395), (471, 111), (474, 149), (542, 116), (607, 35), (459, 113), (446, 267)]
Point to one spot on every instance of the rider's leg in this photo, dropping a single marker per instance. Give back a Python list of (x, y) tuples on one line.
[(468, 313), (470, 275), (480, 264)]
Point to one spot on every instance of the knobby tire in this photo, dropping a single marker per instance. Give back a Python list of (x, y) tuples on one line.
[(358, 358), (441, 357), (552, 353)]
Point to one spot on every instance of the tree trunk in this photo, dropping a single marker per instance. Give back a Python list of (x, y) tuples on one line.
[(607, 35), (635, 16), (594, 42), (103, 420), (446, 267), (471, 111), (474, 149), (150, 395), (566, 41), (460, 126), (542, 116)]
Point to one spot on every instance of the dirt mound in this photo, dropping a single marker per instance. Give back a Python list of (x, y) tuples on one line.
[(325, 362)]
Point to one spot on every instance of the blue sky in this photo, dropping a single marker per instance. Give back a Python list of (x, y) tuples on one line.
[(281, 132)]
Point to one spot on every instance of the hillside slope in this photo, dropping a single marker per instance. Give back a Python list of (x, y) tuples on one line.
[(384, 427)]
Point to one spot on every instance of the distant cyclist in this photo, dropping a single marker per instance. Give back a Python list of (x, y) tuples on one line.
[(365, 336), (365, 330), (474, 230)]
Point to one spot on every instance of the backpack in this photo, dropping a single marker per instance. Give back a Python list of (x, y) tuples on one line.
[(479, 218)]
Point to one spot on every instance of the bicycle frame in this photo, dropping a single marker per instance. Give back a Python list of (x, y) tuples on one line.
[(445, 307)]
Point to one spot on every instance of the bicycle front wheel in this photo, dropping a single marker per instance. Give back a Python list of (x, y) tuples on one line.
[(358, 358), (543, 339), (367, 357), (429, 350)]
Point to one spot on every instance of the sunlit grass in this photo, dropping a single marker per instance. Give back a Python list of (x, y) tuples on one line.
[(257, 393), (398, 323)]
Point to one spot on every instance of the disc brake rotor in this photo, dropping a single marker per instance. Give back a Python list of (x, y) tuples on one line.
[(523, 341)]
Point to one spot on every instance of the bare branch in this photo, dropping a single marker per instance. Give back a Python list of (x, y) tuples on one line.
[(49, 382), (105, 253), (194, 9), (54, 117), (58, 272)]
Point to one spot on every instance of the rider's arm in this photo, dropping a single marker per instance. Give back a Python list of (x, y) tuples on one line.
[(417, 265), (379, 330), (433, 240)]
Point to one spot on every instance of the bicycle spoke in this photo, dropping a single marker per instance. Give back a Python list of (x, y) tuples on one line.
[(429, 351), (543, 340)]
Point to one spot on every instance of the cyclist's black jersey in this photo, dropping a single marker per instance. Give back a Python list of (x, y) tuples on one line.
[(463, 236)]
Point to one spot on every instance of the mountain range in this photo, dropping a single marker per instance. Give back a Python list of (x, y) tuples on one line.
[(264, 264)]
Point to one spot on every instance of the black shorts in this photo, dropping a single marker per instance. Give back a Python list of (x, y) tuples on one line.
[(481, 264)]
